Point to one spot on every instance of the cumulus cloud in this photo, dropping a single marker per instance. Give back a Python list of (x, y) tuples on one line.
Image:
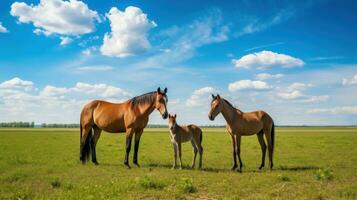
[(129, 31), (17, 84), (267, 59), (52, 104), (65, 41), (295, 92), (264, 76), (248, 85), (200, 96), (61, 17), (336, 110), (3, 29), (350, 81)]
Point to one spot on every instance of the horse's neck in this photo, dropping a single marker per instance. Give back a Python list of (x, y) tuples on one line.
[(229, 113), (147, 109)]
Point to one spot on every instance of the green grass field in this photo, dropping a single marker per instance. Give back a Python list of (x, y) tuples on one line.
[(310, 163)]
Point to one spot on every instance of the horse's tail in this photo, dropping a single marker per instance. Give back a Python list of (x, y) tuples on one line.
[(85, 145), (272, 136)]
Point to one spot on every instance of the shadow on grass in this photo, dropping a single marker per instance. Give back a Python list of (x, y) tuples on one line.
[(297, 168)]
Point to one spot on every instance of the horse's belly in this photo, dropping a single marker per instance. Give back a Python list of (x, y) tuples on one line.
[(111, 126)]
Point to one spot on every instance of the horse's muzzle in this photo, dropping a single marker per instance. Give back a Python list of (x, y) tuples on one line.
[(210, 117), (165, 115)]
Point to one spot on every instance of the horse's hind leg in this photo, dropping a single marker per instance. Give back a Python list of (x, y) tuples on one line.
[(194, 153), (267, 133), (86, 135), (94, 140), (238, 139), (263, 147), (138, 134)]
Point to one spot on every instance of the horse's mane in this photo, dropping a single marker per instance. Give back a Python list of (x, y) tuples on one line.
[(228, 103), (144, 98)]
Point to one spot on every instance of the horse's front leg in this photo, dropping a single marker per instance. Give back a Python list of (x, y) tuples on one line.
[(234, 153), (138, 134), (174, 144), (129, 136)]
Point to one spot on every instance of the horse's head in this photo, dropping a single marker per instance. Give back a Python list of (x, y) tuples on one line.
[(161, 102), (172, 121), (215, 107)]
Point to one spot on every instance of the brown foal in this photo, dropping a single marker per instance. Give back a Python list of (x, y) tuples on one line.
[(180, 134)]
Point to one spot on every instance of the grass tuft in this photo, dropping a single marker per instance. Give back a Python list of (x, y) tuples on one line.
[(148, 182), (324, 174), (56, 183), (186, 186), (283, 177)]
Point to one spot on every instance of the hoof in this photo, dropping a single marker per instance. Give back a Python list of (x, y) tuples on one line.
[(127, 165), (95, 163), (136, 164), (261, 167), (234, 167)]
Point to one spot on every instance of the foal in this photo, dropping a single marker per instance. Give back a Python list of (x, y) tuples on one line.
[(180, 134)]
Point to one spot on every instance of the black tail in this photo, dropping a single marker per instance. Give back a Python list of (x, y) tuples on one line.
[(85, 149), (272, 136)]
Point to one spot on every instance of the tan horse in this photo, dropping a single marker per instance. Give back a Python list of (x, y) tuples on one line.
[(180, 134), (131, 117), (243, 124)]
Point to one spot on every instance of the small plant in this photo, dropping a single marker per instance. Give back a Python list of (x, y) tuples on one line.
[(324, 174), (56, 183), (150, 183), (186, 185), (283, 177)]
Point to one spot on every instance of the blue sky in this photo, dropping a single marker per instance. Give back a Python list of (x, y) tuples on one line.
[(294, 59)]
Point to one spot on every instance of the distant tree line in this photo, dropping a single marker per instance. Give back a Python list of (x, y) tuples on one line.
[(17, 124), (44, 125)]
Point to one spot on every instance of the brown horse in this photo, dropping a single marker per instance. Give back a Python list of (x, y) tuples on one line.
[(131, 117), (243, 124)]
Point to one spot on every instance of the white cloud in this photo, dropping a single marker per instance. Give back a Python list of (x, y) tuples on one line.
[(336, 110), (129, 30), (248, 84), (95, 68), (266, 59), (294, 92), (351, 81), (17, 84), (3, 29), (66, 18), (51, 104), (102, 90), (65, 41), (314, 99), (200, 96), (290, 95), (264, 76), (298, 86)]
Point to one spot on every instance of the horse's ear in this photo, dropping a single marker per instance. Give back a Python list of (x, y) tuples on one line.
[(218, 97), (175, 116), (169, 116), (158, 90), (213, 96), (165, 90)]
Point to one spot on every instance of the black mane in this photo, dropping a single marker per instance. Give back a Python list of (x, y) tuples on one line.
[(144, 98), (229, 103)]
